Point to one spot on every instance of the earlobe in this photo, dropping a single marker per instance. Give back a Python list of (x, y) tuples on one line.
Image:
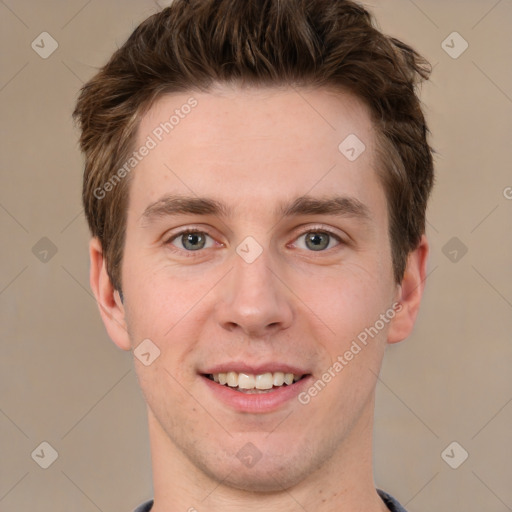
[(109, 302), (410, 293)]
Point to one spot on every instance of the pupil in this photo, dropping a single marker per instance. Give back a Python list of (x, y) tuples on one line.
[(316, 240), (192, 239)]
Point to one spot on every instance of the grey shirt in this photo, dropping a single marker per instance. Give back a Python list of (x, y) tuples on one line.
[(390, 502)]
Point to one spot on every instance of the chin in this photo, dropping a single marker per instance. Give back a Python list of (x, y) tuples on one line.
[(277, 467), (264, 477)]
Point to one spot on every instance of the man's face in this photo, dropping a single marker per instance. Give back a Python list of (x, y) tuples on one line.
[(258, 290)]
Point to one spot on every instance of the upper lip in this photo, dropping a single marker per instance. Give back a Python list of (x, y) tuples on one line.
[(240, 367)]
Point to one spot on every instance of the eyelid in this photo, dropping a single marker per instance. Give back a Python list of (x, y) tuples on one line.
[(307, 228), (170, 237), (319, 228)]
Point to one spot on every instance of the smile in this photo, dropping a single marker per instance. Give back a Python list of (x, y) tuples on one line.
[(251, 383), (255, 390)]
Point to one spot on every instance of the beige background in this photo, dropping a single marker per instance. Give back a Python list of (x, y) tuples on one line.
[(64, 382)]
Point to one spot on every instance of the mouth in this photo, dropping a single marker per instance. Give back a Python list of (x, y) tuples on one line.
[(255, 389), (250, 383)]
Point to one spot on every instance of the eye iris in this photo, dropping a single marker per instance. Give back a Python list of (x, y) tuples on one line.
[(193, 238), (316, 239)]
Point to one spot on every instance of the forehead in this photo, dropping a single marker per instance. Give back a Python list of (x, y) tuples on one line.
[(244, 114), (255, 144)]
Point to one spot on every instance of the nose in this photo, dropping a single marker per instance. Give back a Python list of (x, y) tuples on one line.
[(254, 299)]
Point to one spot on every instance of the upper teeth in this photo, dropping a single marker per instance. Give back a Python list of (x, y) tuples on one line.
[(250, 381)]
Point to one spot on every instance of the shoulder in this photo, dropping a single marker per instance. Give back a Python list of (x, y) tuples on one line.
[(145, 507), (390, 502)]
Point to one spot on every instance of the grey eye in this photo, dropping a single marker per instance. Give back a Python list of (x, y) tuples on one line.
[(191, 240), (317, 240)]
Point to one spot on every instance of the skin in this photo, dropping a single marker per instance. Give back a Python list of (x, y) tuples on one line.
[(253, 149)]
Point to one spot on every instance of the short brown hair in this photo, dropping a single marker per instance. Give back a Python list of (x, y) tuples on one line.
[(195, 44)]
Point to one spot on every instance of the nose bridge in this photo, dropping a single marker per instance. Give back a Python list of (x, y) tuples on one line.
[(253, 278), (254, 299)]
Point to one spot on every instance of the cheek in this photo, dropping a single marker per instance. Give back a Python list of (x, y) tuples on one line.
[(167, 399), (155, 299), (351, 306), (353, 298)]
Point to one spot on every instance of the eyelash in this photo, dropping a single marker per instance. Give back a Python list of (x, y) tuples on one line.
[(313, 229)]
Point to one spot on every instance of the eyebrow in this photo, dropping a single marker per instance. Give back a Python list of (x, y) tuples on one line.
[(172, 205)]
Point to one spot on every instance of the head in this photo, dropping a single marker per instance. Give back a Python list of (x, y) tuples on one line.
[(247, 104)]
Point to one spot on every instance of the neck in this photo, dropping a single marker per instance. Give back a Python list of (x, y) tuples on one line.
[(342, 483)]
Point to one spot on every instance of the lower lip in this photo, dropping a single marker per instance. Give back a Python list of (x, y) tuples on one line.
[(256, 402)]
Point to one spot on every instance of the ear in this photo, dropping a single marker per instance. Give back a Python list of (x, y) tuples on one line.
[(409, 293), (110, 305)]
